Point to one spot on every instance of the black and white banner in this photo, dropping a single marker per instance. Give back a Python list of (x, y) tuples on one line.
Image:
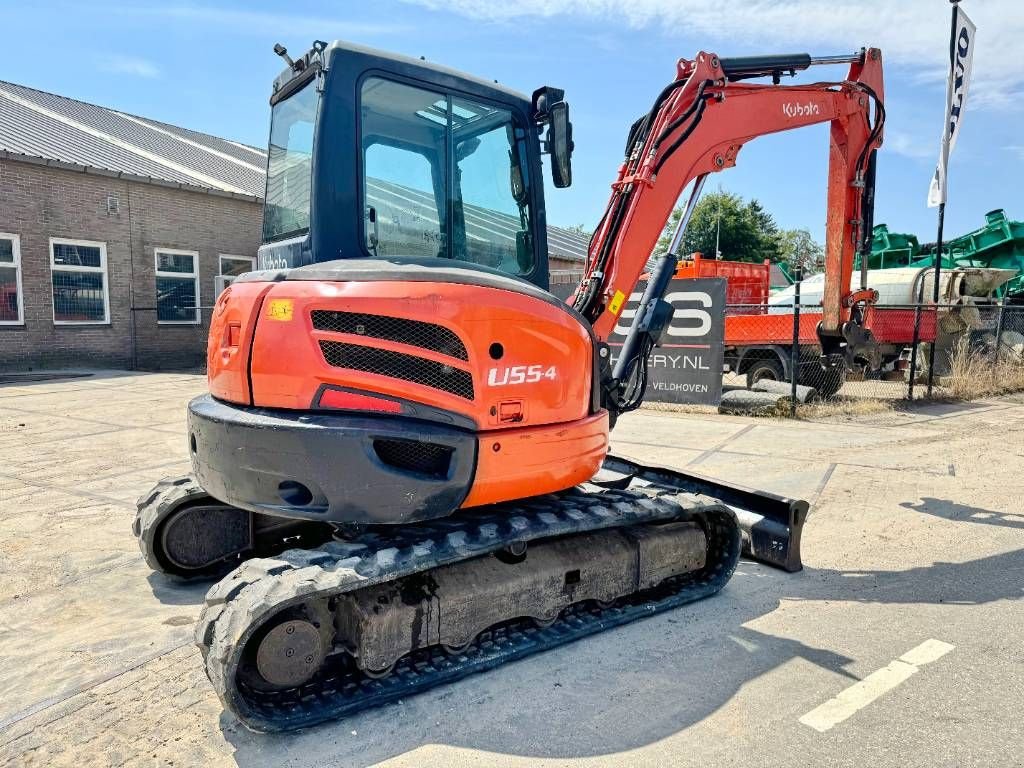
[(686, 366), (961, 55)]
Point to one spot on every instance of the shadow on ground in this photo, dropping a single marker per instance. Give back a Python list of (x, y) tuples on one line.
[(687, 663), (171, 591), (950, 510)]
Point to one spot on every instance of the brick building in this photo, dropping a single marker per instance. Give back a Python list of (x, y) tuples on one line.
[(117, 232)]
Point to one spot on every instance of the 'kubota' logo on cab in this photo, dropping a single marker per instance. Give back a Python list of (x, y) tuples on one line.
[(810, 109), (520, 374)]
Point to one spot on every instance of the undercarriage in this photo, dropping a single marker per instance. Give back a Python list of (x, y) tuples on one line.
[(315, 634), (328, 620)]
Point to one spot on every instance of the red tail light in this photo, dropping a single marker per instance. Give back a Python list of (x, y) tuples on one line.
[(353, 401)]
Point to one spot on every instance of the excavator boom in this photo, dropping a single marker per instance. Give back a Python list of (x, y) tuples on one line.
[(697, 126)]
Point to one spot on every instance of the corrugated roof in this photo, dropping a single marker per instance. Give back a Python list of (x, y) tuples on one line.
[(46, 127), (567, 244)]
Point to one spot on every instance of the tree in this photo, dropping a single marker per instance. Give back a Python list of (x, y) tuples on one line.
[(579, 229), (744, 230), (800, 249)]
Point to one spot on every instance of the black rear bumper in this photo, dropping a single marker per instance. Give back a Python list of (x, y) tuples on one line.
[(340, 468)]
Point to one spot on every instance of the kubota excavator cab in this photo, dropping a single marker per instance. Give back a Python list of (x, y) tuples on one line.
[(375, 155)]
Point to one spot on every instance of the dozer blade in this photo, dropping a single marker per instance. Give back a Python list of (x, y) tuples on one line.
[(771, 525)]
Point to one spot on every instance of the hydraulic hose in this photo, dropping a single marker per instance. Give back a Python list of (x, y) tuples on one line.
[(585, 302), (698, 99), (698, 113)]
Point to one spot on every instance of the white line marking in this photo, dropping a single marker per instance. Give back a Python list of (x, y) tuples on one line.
[(860, 694), (926, 653)]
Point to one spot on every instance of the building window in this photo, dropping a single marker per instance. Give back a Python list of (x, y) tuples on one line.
[(230, 268), (78, 269), (11, 312), (177, 287)]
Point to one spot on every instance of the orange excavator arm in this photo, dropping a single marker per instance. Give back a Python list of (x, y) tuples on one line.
[(697, 126)]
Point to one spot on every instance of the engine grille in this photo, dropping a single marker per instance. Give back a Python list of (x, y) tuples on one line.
[(398, 365), (412, 332), (424, 458)]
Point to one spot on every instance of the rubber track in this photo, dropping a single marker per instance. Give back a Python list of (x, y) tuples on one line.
[(153, 508), (260, 589)]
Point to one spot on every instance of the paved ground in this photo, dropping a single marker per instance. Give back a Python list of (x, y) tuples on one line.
[(915, 536)]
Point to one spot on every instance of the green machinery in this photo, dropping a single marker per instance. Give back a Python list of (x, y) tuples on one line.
[(999, 244)]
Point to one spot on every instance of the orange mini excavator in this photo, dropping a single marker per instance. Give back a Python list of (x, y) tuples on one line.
[(402, 455)]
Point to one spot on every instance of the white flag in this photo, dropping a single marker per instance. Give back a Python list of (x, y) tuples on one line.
[(961, 54)]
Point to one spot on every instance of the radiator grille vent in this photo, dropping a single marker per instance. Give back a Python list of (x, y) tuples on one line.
[(424, 458), (397, 365), (415, 333)]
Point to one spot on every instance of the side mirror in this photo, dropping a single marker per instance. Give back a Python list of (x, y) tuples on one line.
[(560, 144)]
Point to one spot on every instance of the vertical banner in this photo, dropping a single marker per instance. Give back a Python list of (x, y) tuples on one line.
[(961, 56), (686, 366)]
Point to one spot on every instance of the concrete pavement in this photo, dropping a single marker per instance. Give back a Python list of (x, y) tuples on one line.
[(916, 535)]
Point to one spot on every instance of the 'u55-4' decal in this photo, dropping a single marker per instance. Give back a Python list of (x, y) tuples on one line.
[(520, 374)]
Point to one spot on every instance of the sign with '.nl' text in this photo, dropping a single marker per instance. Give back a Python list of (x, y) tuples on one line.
[(686, 367)]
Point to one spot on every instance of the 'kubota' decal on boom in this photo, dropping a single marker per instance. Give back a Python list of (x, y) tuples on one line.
[(809, 109), (520, 374)]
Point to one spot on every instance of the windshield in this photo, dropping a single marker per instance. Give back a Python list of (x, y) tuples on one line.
[(443, 177), (290, 164)]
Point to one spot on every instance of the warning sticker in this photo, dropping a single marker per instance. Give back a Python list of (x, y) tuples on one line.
[(615, 306), (280, 309)]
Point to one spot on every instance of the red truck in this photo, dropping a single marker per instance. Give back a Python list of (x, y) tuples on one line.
[(759, 337)]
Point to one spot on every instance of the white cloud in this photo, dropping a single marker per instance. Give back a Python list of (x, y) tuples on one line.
[(127, 65), (910, 146), (911, 33), (1017, 149), (274, 26)]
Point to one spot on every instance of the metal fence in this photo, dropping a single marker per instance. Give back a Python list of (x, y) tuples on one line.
[(963, 350)]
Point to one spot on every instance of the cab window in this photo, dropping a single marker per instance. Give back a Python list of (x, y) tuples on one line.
[(443, 176)]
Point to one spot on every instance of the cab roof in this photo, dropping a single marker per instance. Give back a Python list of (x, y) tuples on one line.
[(330, 50)]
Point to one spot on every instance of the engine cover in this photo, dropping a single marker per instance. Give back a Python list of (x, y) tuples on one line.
[(461, 340)]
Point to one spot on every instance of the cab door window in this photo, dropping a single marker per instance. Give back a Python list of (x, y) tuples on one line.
[(444, 176), (403, 170)]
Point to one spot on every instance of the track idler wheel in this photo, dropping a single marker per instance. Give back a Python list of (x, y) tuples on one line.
[(290, 654), (185, 532), (379, 674), (205, 540)]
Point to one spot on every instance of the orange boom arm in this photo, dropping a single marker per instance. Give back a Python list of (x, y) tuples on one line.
[(698, 126)]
